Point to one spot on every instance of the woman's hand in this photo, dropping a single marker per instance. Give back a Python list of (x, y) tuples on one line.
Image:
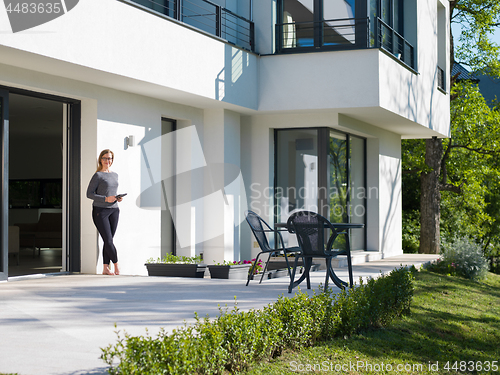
[(120, 199), (110, 199)]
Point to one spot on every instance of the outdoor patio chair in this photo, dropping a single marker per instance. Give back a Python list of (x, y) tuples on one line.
[(312, 230), (259, 228)]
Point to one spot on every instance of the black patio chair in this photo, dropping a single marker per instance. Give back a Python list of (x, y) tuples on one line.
[(312, 230), (259, 228)]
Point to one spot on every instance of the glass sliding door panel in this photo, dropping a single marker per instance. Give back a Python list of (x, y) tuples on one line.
[(399, 17), (338, 22), (296, 174), (357, 194), (167, 187), (373, 23), (200, 14), (4, 229), (386, 11), (337, 177), (298, 23)]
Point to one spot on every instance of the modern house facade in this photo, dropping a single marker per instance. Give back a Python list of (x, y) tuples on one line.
[(215, 107)]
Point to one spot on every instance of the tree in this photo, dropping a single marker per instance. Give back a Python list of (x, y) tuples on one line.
[(478, 19)]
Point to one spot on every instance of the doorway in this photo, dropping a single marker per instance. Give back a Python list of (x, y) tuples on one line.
[(35, 184), (40, 141)]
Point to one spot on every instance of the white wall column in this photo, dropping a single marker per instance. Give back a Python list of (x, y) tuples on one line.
[(222, 198), (372, 194), (90, 252)]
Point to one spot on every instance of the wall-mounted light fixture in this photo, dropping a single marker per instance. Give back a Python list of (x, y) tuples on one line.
[(130, 141)]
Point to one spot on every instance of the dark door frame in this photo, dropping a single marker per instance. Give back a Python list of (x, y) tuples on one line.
[(4, 200), (174, 233), (73, 221)]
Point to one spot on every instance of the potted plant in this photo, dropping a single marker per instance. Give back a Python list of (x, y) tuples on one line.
[(176, 266), (233, 270)]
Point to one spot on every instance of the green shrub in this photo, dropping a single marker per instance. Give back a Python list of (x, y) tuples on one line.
[(247, 337), (462, 257), (306, 319), (236, 339), (376, 303), (171, 258), (411, 232)]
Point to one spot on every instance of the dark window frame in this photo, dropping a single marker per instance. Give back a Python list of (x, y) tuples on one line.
[(73, 172)]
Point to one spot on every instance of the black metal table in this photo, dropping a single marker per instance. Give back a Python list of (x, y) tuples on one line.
[(340, 228)]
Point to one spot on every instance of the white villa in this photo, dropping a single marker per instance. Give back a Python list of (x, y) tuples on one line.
[(213, 107)]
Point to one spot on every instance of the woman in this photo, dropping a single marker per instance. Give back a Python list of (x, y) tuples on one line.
[(105, 212)]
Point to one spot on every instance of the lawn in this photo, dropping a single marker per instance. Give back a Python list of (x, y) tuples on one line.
[(454, 328)]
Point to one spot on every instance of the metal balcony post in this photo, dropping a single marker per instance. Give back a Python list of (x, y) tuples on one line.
[(218, 21), (178, 10)]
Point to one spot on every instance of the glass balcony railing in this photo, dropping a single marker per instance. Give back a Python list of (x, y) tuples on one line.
[(208, 17)]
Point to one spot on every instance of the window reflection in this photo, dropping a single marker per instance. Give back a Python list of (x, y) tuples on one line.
[(323, 171)]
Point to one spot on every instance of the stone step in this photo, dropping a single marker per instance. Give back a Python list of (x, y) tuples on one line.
[(357, 257)]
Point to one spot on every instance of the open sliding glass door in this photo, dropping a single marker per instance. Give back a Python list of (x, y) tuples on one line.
[(4, 209)]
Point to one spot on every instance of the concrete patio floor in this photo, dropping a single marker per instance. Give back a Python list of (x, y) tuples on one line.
[(57, 324)]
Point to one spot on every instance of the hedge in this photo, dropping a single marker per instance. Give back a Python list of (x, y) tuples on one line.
[(236, 339)]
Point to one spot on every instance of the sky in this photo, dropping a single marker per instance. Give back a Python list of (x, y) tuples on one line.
[(496, 36)]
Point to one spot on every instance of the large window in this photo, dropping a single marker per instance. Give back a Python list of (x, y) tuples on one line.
[(317, 23), (321, 170)]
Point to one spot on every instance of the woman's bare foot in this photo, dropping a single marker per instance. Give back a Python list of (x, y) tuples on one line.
[(107, 271), (117, 270)]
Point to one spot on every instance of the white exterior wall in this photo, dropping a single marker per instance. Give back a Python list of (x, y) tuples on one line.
[(108, 116), (111, 43)]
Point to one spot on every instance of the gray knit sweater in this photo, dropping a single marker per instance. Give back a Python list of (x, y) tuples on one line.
[(102, 185)]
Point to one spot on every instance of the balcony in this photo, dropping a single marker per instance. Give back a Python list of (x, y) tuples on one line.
[(208, 17), (343, 34)]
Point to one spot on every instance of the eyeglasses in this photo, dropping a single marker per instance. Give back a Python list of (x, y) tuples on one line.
[(107, 159)]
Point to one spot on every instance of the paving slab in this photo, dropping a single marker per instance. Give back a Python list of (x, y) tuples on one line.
[(57, 324)]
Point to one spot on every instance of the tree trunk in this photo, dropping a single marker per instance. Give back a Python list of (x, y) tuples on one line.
[(430, 199)]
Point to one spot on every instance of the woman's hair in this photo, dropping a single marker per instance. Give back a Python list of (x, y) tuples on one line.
[(99, 161)]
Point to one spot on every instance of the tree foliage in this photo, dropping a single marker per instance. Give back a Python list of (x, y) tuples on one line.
[(469, 171), (478, 20), (470, 162)]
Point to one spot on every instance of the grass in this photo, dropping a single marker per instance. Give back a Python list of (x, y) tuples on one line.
[(454, 328)]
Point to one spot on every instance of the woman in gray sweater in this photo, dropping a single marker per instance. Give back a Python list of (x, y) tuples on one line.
[(102, 189)]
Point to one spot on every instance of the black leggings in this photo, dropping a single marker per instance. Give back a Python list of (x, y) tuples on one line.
[(106, 221)]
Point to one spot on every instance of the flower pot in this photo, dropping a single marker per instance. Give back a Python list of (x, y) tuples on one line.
[(233, 271), (280, 263), (176, 269)]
